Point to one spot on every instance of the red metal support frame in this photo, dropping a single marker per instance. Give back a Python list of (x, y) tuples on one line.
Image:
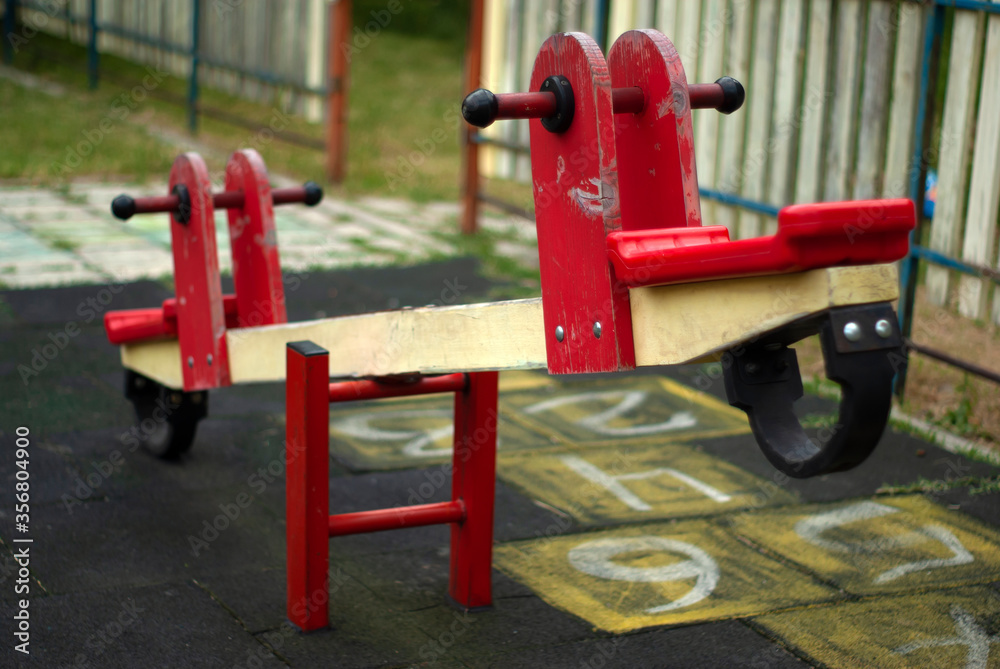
[(470, 149), (337, 87), (260, 295), (307, 484), (473, 483), (310, 525), (201, 320), (373, 389)]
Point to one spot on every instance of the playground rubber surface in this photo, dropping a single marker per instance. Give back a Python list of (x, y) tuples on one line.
[(637, 523)]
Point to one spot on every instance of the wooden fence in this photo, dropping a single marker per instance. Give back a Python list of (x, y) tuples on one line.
[(271, 51), (831, 113)]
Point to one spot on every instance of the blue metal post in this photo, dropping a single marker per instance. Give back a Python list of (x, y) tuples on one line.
[(93, 61), (601, 24), (9, 26), (911, 264), (193, 82)]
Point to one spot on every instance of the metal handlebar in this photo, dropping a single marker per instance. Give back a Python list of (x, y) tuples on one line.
[(179, 201), (554, 103)]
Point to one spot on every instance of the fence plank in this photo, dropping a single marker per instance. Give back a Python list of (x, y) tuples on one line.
[(686, 38), (666, 18), (984, 192), (728, 173), (905, 89), (839, 152), (712, 46), (818, 94), (784, 118), (874, 101), (494, 41), (956, 133), (621, 18), (761, 97)]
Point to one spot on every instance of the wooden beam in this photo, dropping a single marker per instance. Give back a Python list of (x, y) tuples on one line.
[(672, 325)]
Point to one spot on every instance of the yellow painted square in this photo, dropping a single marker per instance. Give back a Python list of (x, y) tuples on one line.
[(411, 432), (952, 628), (624, 409), (638, 483), (660, 574), (887, 544)]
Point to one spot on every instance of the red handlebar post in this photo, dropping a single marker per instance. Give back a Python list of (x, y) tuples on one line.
[(481, 107), (125, 207)]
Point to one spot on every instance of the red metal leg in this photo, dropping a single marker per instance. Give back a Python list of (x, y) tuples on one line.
[(307, 484), (473, 483), (256, 267)]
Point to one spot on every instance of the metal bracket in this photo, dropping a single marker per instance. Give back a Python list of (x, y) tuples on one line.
[(858, 346)]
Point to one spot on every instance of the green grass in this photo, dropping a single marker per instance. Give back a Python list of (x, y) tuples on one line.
[(48, 139), (403, 119)]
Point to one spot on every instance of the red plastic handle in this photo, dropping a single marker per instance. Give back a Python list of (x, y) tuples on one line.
[(809, 236), (132, 325)]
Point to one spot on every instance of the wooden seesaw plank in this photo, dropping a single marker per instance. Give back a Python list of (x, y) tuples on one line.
[(671, 325)]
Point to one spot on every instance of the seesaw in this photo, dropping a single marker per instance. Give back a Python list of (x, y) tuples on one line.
[(630, 278)]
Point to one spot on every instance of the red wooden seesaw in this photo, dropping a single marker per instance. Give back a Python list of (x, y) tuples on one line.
[(197, 319), (630, 278)]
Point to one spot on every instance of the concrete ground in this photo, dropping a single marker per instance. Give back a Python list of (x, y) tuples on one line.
[(637, 524)]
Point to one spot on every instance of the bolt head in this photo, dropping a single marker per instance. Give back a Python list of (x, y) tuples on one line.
[(597, 329), (852, 331), (883, 328), (208, 359), (560, 333), (190, 361)]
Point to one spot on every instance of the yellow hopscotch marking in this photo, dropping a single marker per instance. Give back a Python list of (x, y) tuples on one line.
[(954, 628), (411, 432), (881, 545), (624, 409), (638, 483), (659, 574)]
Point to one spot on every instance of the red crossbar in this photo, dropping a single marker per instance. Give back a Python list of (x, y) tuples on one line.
[(349, 391), (397, 518)]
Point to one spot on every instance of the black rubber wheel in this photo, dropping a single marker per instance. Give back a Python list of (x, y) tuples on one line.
[(166, 419)]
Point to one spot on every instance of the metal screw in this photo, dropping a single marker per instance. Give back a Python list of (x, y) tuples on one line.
[(560, 333), (209, 359), (190, 361), (597, 329), (883, 328), (852, 331)]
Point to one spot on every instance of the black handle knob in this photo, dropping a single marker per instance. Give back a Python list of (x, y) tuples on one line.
[(123, 207), (313, 193), (733, 95), (480, 108)]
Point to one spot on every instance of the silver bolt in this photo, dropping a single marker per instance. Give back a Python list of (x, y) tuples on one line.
[(852, 331), (883, 329), (190, 361), (209, 359), (597, 329), (560, 333)]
